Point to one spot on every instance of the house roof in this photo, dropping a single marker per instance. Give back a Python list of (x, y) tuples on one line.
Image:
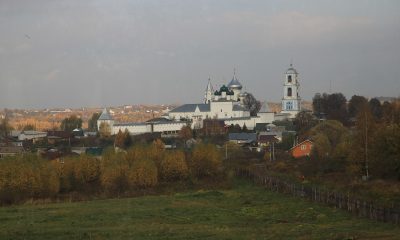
[(308, 140), (159, 120), (267, 138), (261, 127), (238, 108), (60, 134), (237, 118), (130, 124), (248, 137), (105, 115), (192, 107), (32, 132)]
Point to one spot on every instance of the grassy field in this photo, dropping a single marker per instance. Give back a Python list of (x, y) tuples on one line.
[(243, 212)]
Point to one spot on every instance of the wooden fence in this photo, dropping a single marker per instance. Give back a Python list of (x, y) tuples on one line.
[(358, 207)]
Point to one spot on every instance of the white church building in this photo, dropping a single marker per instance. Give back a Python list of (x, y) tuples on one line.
[(225, 104)]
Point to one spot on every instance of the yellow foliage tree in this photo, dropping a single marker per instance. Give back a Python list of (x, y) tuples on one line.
[(206, 160), (87, 170), (114, 170), (173, 166), (185, 133), (26, 177), (143, 174), (104, 130)]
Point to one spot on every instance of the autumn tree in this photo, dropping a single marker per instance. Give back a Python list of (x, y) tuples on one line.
[(71, 123), (127, 139), (26, 176), (337, 107), (173, 166), (330, 148), (143, 174), (5, 127), (156, 151), (29, 127), (288, 140), (114, 172), (327, 135), (376, 108), (362, 139), (385, 152), (92, 124), (333, 106), (356, 103), (119, 140), (318, 103), (185, 133), (391, 112), (104, 130), (303, 122), (205, 160), (252, 104), (135, 153), (87, 171)]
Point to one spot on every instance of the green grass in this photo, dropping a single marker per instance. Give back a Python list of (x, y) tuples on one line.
[(243, 212)]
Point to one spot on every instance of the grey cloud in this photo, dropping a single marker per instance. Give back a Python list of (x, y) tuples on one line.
[(127, 52)]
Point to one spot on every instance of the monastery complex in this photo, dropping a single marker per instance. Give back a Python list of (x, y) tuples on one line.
[(225, 104)]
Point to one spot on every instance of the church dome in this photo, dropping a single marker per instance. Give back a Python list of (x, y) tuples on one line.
[(291, 70), (223, 89), (235, 84)]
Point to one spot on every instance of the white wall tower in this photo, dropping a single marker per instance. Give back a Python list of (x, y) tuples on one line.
[(291, 101), (105, 117)]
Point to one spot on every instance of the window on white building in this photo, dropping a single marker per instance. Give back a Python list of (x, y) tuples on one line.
[(289, 92), (289, 106)]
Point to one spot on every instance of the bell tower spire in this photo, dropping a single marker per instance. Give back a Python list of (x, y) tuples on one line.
[(209, 93)]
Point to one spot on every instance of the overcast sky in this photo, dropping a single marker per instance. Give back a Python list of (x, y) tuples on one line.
[(77, 53)]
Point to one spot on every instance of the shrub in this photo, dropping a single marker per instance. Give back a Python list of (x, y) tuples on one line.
[(114, 170), (173, 166), (26, 177), (206, 160), (87, 171), (143, 174)]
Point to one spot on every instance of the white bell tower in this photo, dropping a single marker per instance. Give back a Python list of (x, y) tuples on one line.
[(291, 101)]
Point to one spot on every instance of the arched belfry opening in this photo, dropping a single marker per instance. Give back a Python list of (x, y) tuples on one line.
[(289, 92), (289, 79)]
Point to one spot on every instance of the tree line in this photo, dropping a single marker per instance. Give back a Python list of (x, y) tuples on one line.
[(360, 137), (117, 172), (336, 107)]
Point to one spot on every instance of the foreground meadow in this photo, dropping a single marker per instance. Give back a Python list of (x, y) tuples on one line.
[(243, 212)]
